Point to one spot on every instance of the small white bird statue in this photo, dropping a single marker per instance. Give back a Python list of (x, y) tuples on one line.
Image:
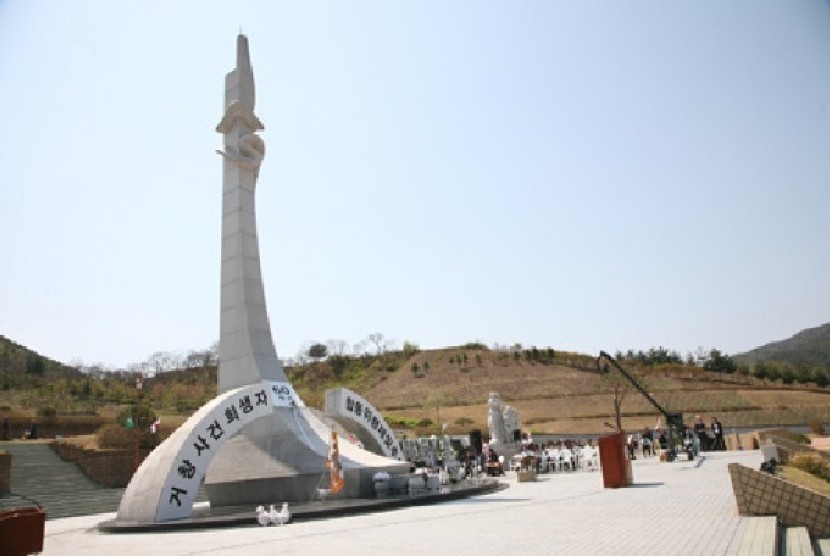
[(273, 515), (262, 516), (284, 515)]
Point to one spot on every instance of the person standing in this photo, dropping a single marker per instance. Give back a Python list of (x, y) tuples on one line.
[(648, 442), (717, 431), (700, 431), (6, 428)]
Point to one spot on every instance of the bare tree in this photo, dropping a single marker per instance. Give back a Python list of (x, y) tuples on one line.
[(199, 359), (336, 347), (162, 362), (376, 338)]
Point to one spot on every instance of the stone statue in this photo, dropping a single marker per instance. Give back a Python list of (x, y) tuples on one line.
[(511, 422), (495, 421), (248, 154)]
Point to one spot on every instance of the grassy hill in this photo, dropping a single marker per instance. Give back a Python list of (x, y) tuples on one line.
[(808, 348), (562, 393), (18, 359), (554, 391)]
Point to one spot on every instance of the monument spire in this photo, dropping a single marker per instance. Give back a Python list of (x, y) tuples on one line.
[(246, 347)]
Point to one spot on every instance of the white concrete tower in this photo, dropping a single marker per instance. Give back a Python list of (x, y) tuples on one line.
[(246, 347), (247, 450)]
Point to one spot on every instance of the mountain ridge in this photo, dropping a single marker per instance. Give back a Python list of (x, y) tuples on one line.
[(808, 348)]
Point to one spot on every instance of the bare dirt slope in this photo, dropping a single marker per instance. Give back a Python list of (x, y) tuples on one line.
[(569, 395)]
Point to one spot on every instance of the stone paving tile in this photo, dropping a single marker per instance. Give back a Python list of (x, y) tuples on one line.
[(673, 508)]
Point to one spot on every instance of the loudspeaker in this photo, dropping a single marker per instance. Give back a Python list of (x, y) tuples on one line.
[(475, 440)]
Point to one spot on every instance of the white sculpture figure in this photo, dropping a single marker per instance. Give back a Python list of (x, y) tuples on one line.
[(511, 422), (262, 516), (248, 154), (283, 516), (495, 421)]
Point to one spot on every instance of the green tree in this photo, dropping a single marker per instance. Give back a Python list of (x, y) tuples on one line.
[(317, 351), (35, 364), (410, 349), (719, 363), (760, 370)]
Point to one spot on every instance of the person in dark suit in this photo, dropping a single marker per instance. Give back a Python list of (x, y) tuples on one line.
[(717, 432), (700, 431)]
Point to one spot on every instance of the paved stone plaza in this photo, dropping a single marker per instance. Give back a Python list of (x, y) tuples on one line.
[(673, 508)]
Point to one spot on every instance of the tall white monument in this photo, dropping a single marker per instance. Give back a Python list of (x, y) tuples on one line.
[(281, 455), (256, 442), (246, 348)]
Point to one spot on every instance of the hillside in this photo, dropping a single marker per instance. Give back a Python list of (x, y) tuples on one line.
[(555, 392), (808, 348), (562, 393), (21, 367)]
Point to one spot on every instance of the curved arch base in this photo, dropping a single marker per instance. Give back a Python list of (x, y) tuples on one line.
[(253, 444)]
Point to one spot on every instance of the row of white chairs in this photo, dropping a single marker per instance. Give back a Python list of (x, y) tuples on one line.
[(584, 458)]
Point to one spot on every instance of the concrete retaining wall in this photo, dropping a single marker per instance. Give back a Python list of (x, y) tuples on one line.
[(758, 493)]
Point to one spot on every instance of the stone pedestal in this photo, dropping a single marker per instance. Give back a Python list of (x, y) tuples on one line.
[(525, 476)]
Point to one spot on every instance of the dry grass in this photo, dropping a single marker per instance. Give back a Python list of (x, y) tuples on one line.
[(806, 480), (88, 441), (558, 399)]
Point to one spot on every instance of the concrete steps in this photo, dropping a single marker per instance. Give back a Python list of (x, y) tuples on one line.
[(40, 476), (60, 488), (765, 536)]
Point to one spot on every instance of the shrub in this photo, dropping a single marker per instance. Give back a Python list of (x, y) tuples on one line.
[(812, 464), (474, 345), (406, 422), (47, 412), (800, 438), (116, 436), (142, 415), (463, 421)]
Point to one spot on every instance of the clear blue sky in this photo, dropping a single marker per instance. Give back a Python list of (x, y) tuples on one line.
[(581, 175)]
